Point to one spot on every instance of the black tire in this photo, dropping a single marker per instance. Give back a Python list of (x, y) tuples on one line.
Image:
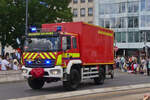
[(100, 80), (73, 80), (35, 83), (112, 75)]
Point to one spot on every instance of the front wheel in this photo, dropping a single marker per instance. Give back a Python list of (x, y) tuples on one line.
[(35, 83), (73, 80)]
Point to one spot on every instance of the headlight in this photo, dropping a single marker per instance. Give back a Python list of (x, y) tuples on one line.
[(55, 72)]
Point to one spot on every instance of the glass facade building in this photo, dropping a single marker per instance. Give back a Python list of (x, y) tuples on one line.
[(130, 19)]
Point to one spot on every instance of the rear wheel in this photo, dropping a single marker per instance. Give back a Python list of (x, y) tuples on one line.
[(101, 78), (35, 83), (73, 80)]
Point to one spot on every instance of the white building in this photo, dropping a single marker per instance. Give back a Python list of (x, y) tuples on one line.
[(83, 10)]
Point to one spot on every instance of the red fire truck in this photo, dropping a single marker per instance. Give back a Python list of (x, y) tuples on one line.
[(68, 52)]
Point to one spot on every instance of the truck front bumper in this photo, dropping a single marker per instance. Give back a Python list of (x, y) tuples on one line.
[(56, 72)]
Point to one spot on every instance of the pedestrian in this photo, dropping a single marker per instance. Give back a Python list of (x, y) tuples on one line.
[(17, 55), (144, 64), (118, 62), (0, 61), (135, 65), (7, 56), (122, 61), (148, 66), (130, 62), (15, 65), (5, 64)]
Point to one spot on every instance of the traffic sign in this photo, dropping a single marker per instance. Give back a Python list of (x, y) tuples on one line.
[(116, 48)]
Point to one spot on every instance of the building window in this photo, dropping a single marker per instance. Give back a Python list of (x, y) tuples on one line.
[(101, 9), (112, 22), (90, 22), (90, 11), (123, 22), (133, 7), (136, 37), (90, 0), (75, 1), (130, 37), (82, 1), (107, 23), (82, 11), (133, 22), (123, 37), (118, 36), (118, 23), (133, 37), (145, 5), (122, 7), (145, 21), (114, 8), (148, 37), (75, 12), (101, 22), (142, 36)]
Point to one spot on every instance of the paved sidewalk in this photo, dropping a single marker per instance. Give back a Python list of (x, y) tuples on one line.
[(11, 76)]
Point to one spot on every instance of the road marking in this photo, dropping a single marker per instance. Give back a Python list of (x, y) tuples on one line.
[(83, 92)]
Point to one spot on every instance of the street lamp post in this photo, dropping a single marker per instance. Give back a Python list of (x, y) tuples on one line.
[(26, 26)]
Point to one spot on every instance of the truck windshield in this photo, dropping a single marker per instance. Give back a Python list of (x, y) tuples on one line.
[(42, 44)]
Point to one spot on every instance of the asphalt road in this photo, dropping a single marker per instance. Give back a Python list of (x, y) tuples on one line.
[(21, 89)]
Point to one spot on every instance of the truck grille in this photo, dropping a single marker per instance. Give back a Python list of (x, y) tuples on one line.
[(40, 63)]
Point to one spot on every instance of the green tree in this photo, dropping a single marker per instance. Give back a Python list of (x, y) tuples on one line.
[(12, 17)]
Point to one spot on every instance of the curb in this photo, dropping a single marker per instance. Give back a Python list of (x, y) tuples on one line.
[(11, 76), (83, 92)]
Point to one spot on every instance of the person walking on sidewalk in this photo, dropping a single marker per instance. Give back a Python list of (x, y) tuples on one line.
[(148, 66), (144, 64), (5, 64), (122, 63)]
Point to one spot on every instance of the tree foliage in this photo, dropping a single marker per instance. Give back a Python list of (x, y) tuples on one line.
[(12, 16)]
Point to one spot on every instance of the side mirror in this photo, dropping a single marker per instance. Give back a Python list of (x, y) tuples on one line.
[(18, 41)]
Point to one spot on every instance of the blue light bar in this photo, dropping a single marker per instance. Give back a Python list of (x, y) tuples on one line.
[(29, 62), (33, 29), (58, 28), (48, 61)]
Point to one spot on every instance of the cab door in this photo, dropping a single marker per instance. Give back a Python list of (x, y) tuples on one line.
[(70, 47)]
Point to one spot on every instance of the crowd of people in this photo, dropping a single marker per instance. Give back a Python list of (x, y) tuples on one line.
[(133, 64), (10, 61)]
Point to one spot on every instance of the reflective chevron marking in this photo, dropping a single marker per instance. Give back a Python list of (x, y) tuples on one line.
[(52, 55), (29, 57), (47, 56), (26, 55), (42, 56), (35, 56)]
